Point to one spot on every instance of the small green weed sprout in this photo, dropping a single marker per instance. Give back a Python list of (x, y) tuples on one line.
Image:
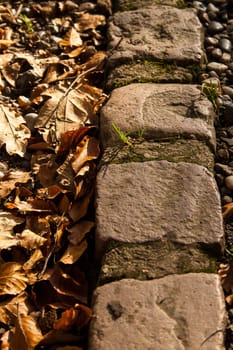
[(212, 91), (122, 135), (27, 22), (140, 134)]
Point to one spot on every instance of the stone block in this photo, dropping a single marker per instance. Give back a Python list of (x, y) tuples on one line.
[(142, 202), (182, 312), (156, 33), (160, 111)]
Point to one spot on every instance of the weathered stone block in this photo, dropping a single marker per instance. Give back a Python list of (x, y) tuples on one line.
[(156, 33), (161, 111), (141, 202), (182, 312)]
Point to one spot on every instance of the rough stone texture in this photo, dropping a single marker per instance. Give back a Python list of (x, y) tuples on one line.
[(154, 260), (141, 202), (178, 312), (125, 5), (156, 33), (160, 110), (174, 150), (149, 72)]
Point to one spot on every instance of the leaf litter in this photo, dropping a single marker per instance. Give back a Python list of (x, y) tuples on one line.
[(52, 62)]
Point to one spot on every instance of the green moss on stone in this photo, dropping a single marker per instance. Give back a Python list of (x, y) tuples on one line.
[(156, 259), (148, 71), (173, 150)]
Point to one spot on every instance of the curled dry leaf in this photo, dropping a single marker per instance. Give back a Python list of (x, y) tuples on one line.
[(226, 276), (13, 131), (73, 253), (19, 304), (88, 149), (72, 39), (30, 240), (12, 278), (9, 181), (88, 21), (27, 333), (7, 224), (227, 210), (5, 340), (78, 232), (64, 111), (76, 317), (34, 258)]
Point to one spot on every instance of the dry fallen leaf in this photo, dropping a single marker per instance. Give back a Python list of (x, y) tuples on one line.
[(87, 149), (88, 21), (9, 181), (19, 304), (76, 317), (227, 210), (78, 232), (73, 253), (27, 334), (226, 276), (13, 131), (12, 278), (30, 240), (72, 39), (7, 224)]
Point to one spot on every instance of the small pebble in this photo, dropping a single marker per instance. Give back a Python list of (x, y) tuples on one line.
[(215, 27), (226, 199), (226, 58), (225, 44), (211, 7), (223, 154), (218, 67), (209, 40), (216, 53), (229, 182)]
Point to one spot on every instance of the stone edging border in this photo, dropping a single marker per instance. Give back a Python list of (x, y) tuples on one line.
[(158, 211)]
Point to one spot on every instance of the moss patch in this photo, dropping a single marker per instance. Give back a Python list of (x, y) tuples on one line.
[(152, 260), (127, 5), (174, 150), (152, 72)]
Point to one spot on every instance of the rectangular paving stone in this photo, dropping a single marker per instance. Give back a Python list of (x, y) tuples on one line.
[(157, 33), (160, 111), (141, 202), (177, 312)]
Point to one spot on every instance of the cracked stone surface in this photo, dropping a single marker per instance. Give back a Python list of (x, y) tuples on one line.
[(141, 202), (148, 33), (181, 312), (161, 111)]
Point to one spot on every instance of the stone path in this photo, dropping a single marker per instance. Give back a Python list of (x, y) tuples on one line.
[(159, 222)]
